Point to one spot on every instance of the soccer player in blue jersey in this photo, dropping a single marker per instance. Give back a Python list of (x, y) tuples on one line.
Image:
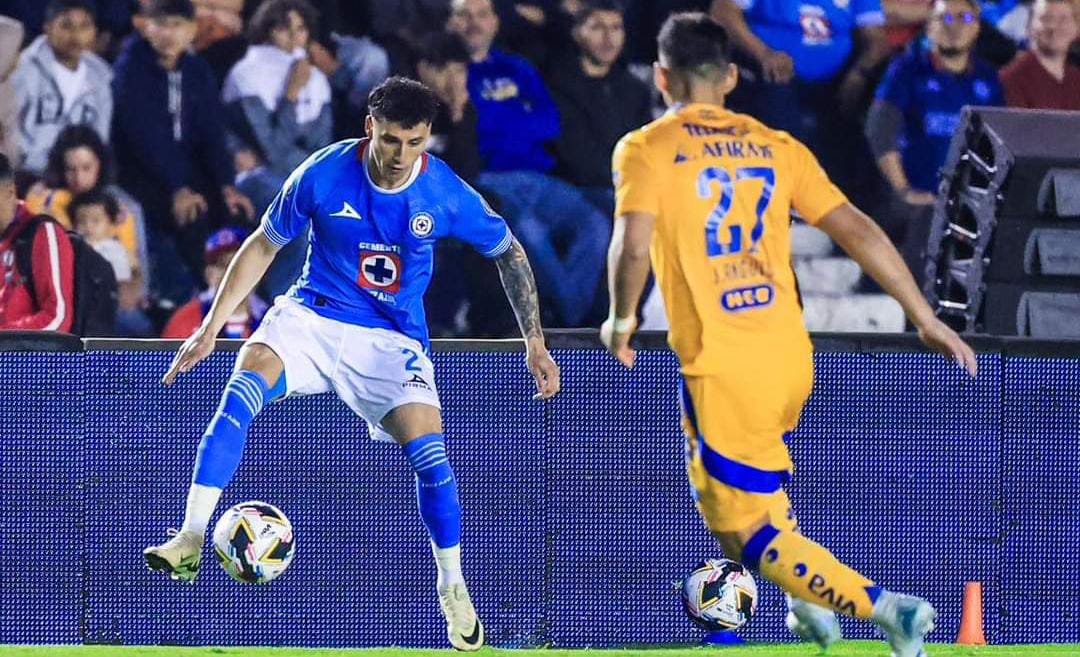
[(354, 321)]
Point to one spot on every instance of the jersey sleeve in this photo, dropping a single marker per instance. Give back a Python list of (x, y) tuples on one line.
[(289, 214), (813, 195), (477, 224), (895, 85), (637, 187)]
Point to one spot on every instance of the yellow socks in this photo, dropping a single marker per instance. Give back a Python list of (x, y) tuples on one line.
[(808, 571)]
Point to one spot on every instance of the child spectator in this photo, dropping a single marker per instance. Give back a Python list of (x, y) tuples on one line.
[(60, 82), (219, 252), (95, 215)]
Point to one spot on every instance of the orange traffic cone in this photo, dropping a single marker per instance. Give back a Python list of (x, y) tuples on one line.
[(971, 617)]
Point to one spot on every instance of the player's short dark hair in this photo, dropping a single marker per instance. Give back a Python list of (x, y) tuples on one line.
[(404, 101), (7, 172), (95, 196), (442, 48), (77, 136), (170, 8), (273, 14), (57, 7), (590, 7), (692, 42)]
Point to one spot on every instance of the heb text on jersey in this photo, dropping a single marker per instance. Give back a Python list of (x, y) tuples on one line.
[(745, 298)]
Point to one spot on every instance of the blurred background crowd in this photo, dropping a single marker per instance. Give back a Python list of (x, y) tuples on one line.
[(157, 131)]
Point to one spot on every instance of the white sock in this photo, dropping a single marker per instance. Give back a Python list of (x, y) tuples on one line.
[(201, 502), (448, 561)]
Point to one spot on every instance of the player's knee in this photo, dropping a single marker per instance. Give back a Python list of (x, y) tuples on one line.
[(411, 421), (262, 360), (733, 542)]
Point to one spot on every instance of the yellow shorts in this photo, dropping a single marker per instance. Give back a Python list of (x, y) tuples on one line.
[(736, 456)]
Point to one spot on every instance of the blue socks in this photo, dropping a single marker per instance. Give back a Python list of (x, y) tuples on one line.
[(436, 489), (223, 443)]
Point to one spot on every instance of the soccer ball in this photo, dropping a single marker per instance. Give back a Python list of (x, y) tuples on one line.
[(719, 594), (254, 542)]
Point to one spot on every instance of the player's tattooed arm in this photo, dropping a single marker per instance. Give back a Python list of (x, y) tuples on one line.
[(520, 286), (517, 279)]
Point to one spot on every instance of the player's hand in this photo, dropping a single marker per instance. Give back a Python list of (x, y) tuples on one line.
[(194, 350), (618, 342), (544, 370), (942, 339), (777, 66)]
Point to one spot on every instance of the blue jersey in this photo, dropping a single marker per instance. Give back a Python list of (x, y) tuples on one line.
[(370, 255), (930, 101), (816, 33)]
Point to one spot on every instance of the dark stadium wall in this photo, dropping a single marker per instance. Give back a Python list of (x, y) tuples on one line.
[(577, 513)]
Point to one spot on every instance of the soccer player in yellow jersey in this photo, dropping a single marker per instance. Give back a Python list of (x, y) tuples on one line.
[(709, 195)]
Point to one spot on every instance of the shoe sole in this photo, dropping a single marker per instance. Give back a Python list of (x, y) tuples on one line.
[(154, 562), (160, 564), (478, 640)]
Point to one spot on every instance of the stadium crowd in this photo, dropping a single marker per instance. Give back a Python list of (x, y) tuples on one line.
[(155, 132)]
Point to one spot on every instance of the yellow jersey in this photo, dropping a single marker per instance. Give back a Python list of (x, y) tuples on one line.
[(722, 187)]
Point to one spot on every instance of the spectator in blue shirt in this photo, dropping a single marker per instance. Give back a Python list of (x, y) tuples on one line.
[(916, 111), (805, 67), (564, 235), (917, 106)]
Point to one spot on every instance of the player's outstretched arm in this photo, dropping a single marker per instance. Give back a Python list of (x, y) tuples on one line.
[(864, 241), (628, 270), (249, 265), (520, 286)]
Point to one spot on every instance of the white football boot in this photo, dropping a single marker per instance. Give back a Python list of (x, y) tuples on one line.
[(462, 625), (180, 556), (906, 620), (812, 623)]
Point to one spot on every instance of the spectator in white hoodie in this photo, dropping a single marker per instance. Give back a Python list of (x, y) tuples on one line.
[(279, 101), (60, 82), (279, 111)]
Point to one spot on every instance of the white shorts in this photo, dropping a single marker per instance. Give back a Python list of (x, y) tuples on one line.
[(372, 370)]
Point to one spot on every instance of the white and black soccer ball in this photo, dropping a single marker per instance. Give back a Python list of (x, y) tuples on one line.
[(719, 594), (254, 542)]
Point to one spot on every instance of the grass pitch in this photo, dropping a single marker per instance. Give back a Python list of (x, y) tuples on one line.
[(845, 649)]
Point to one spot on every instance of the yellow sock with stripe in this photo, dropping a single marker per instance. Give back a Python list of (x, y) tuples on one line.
[(810, 572)]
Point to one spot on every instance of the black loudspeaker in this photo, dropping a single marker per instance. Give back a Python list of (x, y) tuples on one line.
[(1003, 255)]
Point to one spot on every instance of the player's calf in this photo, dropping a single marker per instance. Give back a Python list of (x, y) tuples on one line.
[(806, 570), (437, 498), (219, 455)]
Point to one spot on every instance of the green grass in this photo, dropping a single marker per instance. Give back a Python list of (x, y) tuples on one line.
[(845, 649)]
